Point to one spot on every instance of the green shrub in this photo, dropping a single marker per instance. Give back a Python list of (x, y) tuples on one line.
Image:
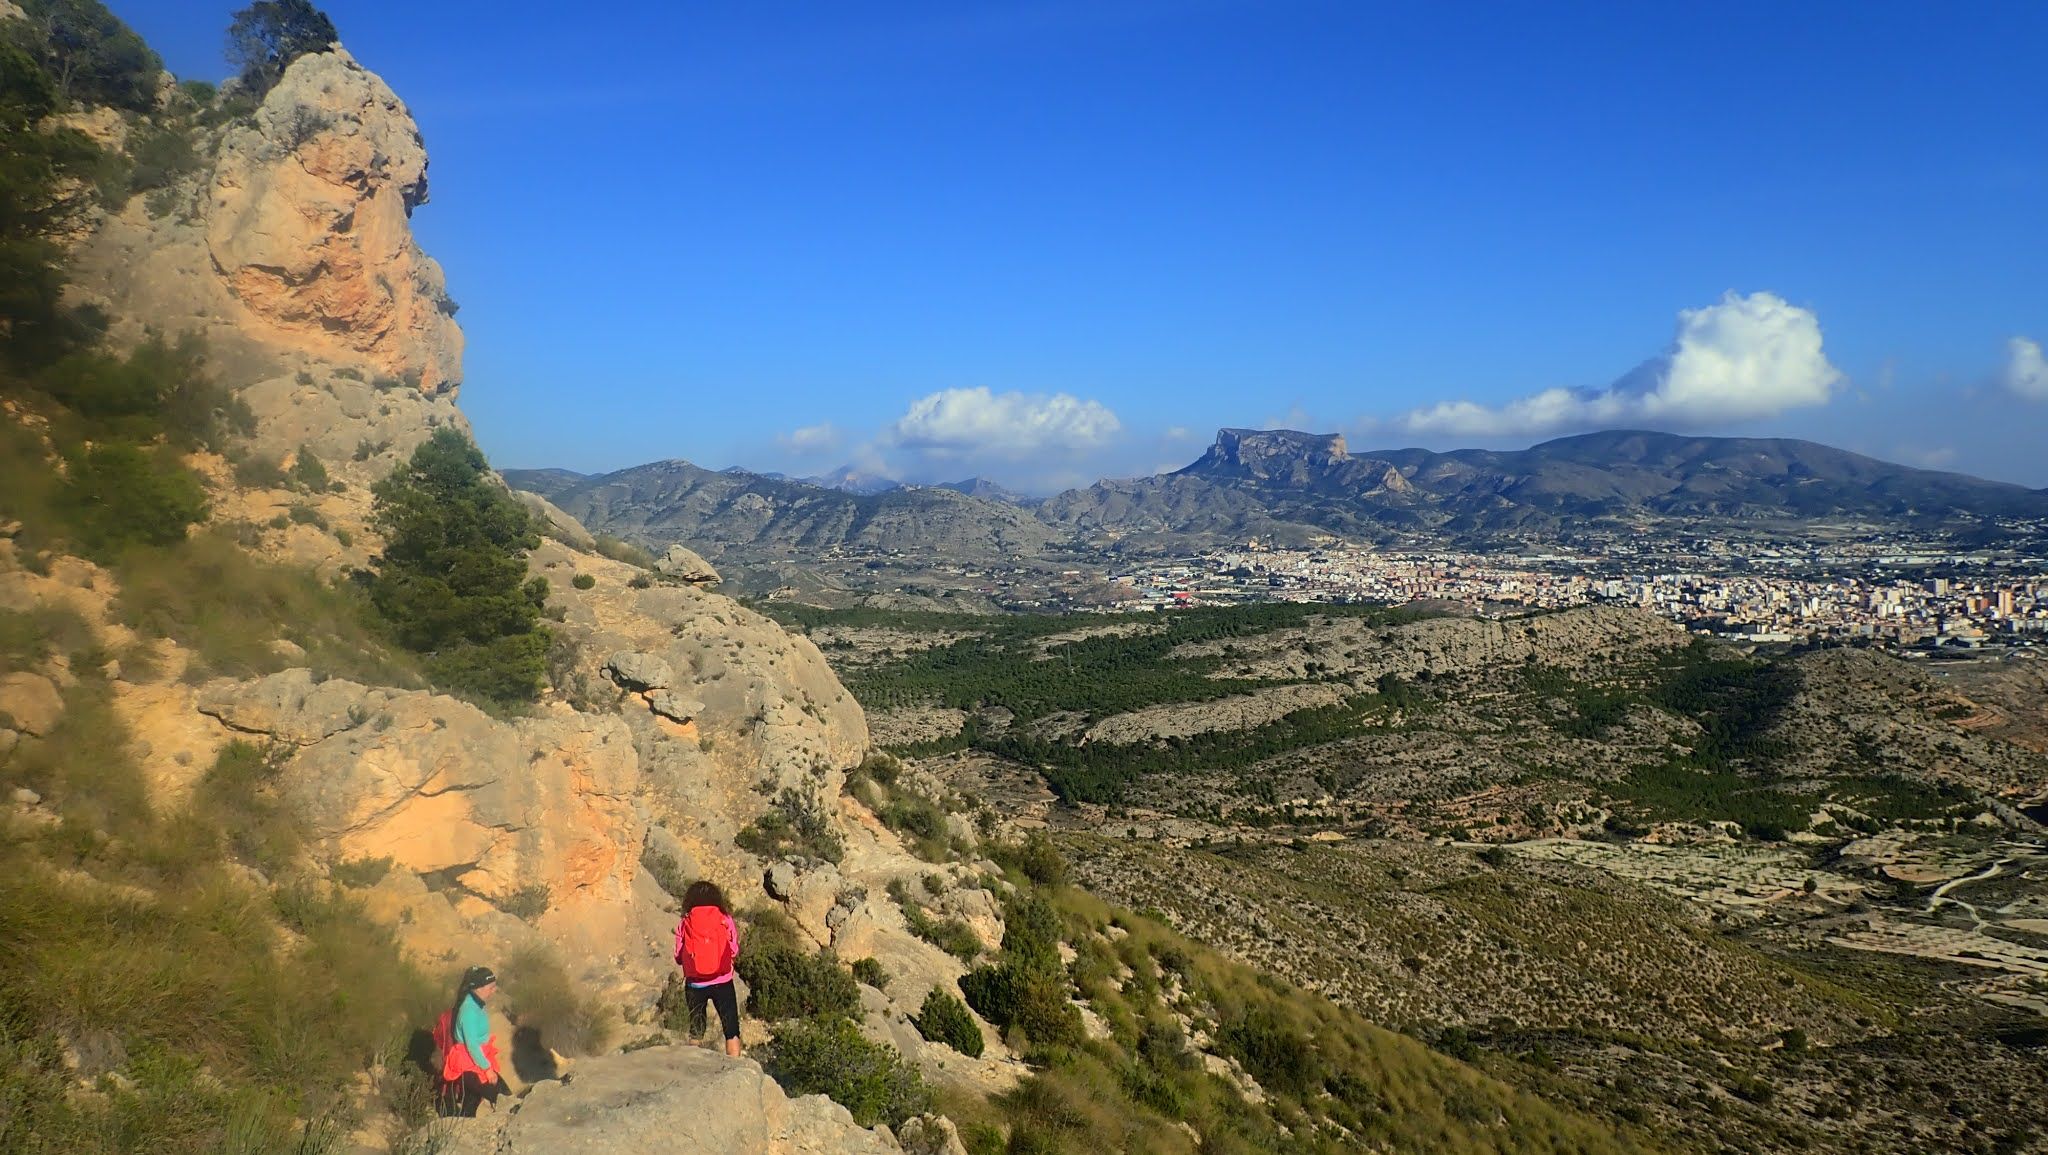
[(158, 389), (951, 935), (1038, 859), (914, 815), (869, 972), (798, 826), (667, 873), (583, 581), (1038, 1003), (831, 1057), (945, 1019), (118, 495), (269, 34), (95, 57), (783, 982), (1031, 931), (451, 581), (307, 472), (160, 155), (1277, 1053)]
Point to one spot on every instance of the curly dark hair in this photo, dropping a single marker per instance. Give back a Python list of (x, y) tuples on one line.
[(704, 893)]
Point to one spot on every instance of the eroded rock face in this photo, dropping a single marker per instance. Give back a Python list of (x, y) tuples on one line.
[(308, 224), (726, 708), (666, 1099), (536, 815), (442, 788)]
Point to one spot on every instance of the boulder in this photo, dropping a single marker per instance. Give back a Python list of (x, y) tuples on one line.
[(685, 564), (780, 882), (665, 1099), (31, 703), (673, 706), (639, 671), (931, 1135)]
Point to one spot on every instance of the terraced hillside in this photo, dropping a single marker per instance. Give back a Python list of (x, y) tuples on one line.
[(1770, 901)]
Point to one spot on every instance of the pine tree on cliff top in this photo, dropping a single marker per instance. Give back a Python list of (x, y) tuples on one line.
[(451, 581), (269, 34)]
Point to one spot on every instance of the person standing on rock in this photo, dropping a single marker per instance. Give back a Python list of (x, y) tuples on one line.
[(707, 945), (469, 1055)]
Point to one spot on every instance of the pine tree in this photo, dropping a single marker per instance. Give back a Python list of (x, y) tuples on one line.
[(451, 582)]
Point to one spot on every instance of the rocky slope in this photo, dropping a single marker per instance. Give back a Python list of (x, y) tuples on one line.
[(678, 716)]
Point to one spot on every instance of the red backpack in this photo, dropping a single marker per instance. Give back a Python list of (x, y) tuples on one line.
[(706, 950)]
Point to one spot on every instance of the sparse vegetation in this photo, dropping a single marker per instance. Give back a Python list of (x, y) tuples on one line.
[(797, 825)]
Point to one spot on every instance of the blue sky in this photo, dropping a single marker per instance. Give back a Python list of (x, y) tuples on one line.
[(1045, 242)]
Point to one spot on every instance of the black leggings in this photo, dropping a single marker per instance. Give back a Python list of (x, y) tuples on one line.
[(719, 995), (463, 1096)]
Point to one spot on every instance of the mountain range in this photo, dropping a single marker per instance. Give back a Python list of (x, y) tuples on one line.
[(1286, 486)]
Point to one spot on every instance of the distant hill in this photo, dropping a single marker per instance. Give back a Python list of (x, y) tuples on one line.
[(1287, 485), (847, 479), (1283, 481), (983, 487), (751, 517)]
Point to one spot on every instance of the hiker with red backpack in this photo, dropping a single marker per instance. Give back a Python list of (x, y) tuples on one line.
[(469, 1055), (707, 944)]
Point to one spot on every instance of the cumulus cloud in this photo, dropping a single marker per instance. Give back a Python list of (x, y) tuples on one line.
[(959, 422), (2026, 371), (1739, 359), (823, 437)]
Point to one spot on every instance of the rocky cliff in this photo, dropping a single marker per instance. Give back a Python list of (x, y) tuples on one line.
[(677, 717)]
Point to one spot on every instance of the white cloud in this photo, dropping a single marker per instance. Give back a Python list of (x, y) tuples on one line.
[(820, 438), (958, 422), (1736, 360), (2026, 370)]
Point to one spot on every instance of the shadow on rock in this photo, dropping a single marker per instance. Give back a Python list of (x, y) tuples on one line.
[(532, 1059)]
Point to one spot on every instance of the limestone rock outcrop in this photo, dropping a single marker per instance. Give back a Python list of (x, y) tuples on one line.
[(536, 814), (686, 564), (726, 708), (293, 255), (667, 1099)]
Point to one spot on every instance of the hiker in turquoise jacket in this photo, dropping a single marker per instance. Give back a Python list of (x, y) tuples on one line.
[(469, 1063)]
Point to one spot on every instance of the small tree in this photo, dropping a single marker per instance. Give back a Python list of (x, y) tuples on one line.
[(269, 34), (91, 56), (452, 578)]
